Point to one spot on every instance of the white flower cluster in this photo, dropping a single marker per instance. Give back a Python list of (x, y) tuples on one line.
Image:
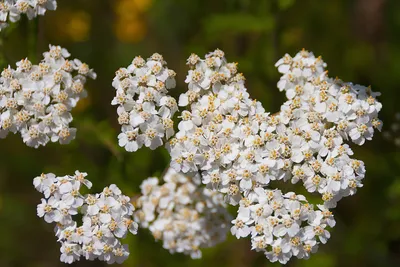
[(393, 133), (36, 100), (107, 217), (219, 135), (182, 213), (11, 10), (239, 149), (351, 108), (236, 148), (280, 225), (144, 108)]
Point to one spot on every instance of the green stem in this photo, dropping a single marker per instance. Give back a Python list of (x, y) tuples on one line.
[(33, 40), (6, 58), (3, 61)]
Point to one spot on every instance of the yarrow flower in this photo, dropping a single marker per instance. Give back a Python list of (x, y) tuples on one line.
[(11, 10), (181, 213), (239, 148), (144, 108), (282, 225), (106, 218), (236, 148), (36, 100)]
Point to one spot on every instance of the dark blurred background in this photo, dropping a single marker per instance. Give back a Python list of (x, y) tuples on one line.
[(359, 39)]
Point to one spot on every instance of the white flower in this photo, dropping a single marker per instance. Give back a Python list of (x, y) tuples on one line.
[(280, 251), (130, 139), (43, 182), (289, 226), (241, 224), (153, 132), (69, 253), (48, 210), (80, 178), (105, 207)]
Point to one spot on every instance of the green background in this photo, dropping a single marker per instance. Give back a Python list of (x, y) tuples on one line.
[(360, 41)]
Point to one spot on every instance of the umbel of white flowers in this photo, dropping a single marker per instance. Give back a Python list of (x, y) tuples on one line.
[(238, 148), (107, 217), (11, 10), (36, 100), (144, 108), (183, 214)]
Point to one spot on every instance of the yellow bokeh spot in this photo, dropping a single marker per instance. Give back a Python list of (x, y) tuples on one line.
[(130, 26), (78, 26), (130, 31), (71, 25), (127, 8), (143, 5)]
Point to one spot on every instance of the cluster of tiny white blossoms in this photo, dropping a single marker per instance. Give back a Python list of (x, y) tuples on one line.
[(393, 133), (280, 225), (182, 213), (236, 149), (36, 100), (144, 108), (107, 217), (239, 148), (11, 10)]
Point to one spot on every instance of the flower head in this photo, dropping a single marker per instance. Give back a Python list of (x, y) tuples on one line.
[(37, 100), (107, 217)]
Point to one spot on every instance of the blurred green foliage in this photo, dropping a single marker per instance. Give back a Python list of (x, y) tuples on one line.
[(359, 40)]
